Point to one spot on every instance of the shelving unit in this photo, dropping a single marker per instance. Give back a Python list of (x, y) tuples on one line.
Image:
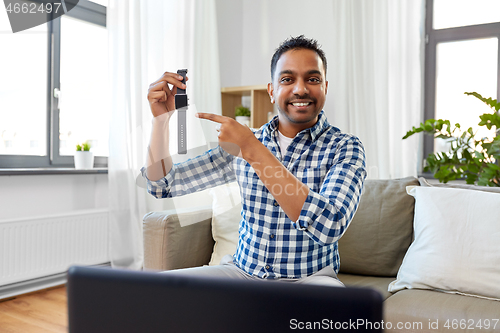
[(259, 107)]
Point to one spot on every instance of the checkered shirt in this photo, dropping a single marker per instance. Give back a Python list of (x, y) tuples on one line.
[(270, 245)]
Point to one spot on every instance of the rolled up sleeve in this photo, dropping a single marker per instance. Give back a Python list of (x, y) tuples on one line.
[(211, 169)]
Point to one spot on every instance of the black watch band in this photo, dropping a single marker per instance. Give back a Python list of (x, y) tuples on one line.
[(180, 91)]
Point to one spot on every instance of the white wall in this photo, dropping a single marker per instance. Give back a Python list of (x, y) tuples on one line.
[(41, 195), (251, 30)]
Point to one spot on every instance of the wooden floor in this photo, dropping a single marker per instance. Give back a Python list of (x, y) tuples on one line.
[(40, 312)]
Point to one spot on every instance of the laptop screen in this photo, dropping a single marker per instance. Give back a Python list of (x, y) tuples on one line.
[(111, 300)]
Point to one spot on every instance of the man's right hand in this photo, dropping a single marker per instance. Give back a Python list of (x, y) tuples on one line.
[(161, 97)]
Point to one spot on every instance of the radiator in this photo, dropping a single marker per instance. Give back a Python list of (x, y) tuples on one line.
[(38, 247)]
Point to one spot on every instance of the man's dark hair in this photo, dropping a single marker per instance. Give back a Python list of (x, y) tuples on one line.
[(295, 43)]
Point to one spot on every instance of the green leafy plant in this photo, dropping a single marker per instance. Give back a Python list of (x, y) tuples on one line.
[(83, 147), (469, 158), (242, 111)]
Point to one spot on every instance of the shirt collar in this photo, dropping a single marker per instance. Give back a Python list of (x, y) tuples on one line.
[(314, 131)]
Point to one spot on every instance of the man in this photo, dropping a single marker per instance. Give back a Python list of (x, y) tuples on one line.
[(300, 177)]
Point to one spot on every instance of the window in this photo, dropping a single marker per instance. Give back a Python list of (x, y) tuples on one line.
[(23, 90), (462, 55), (53, 89), (83, 107)]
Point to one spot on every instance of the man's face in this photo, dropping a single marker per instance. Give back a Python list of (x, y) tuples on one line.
[(299, 87)]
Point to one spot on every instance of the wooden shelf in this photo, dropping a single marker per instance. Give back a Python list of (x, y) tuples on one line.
[(260, 103)]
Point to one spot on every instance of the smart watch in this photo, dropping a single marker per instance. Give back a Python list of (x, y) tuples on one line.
[(181, 103)]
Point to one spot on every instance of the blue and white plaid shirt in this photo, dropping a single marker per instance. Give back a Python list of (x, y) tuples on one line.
[(270, 245)]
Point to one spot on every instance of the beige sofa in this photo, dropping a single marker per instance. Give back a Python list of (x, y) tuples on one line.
[(371, 253)]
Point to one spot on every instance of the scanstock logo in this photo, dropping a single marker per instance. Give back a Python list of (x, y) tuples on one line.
[(25, 14)]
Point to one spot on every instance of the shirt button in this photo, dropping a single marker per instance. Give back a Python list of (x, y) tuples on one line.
[(276, 203), (267, 266), (272, 235)]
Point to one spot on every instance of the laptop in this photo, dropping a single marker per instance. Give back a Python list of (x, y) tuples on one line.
[(112, 300)]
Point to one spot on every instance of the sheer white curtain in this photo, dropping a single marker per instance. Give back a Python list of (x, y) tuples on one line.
[(376, 79), (146, 39)]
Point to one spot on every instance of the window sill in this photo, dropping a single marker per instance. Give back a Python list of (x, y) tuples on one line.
[(51, 171), (426, 175)]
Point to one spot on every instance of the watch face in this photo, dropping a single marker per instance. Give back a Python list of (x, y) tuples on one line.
[(181, 101)]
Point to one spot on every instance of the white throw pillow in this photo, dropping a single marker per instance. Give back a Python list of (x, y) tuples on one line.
[(457, 243), (225, 220)]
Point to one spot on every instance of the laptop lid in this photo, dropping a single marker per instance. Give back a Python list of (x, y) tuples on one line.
[(112, 300)]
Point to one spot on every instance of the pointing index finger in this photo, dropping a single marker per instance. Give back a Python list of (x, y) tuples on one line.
[(210, 116)]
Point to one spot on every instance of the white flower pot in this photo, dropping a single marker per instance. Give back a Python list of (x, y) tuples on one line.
[(84, 160), (243, 120)]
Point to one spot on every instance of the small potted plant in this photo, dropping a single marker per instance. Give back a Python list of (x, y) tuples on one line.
[(242, 115), (84, 159)]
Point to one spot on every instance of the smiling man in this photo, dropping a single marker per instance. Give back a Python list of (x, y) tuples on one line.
[(300, 177)]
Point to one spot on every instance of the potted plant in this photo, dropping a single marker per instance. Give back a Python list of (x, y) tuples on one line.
[(242, 115), (469, 158), (84, 159)]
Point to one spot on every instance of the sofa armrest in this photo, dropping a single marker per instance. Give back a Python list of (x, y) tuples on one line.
[(168, 245)]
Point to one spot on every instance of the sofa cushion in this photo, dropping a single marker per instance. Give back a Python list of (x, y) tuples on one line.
[(456, 247), (226, 218), (411, 307), (170, 244), (378, 283), (381, 231)]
